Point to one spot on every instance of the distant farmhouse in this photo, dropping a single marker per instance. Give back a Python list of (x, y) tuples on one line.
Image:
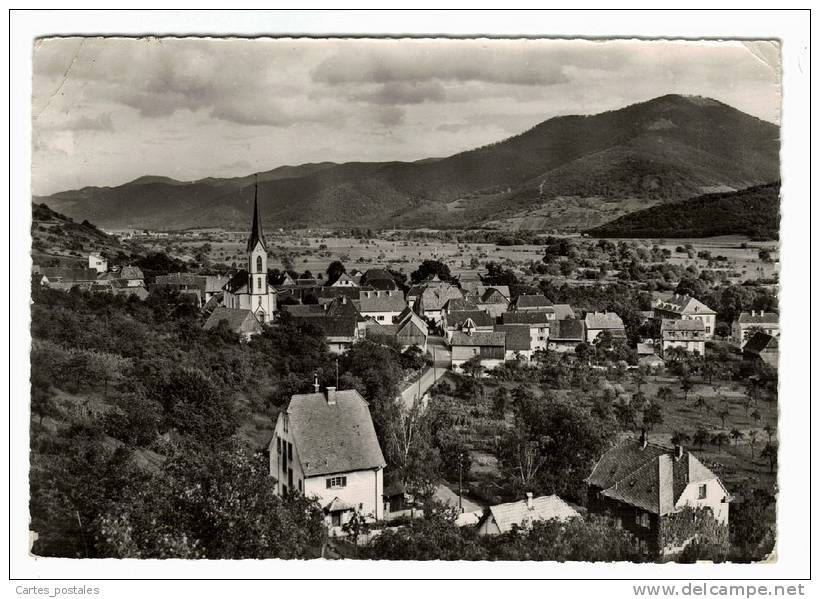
[(749, 323), (684, 307)]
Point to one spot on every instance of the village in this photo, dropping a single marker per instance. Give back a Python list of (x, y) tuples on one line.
[(664, 408)]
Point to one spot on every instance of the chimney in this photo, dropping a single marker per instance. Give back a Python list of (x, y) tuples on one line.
[(529, 501), (678, 452), (643, 439), (331, 396), (315, 383)]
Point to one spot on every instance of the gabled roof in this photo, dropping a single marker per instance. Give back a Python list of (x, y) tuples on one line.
[(761, 342), (532, 301), (477, 288), (518, 513), (381, 302), (649, 477), (646, 349), (529, 317), (238, 319), (479, 318), (603, 320), (563, 311), (214, 283), (379, 278), (459, 304), (677, 324), (477, 339), (516, 336), (256, 235), (682, 304), (334, 438), (759, 318), (567, 330), (434, 298), (494, 296)]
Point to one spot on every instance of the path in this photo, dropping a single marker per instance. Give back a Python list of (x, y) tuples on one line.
[(436, 347)]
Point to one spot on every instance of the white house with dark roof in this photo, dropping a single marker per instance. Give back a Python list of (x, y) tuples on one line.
[(687, 334), (381, 305), (469, 343), (685, 307), (517, 341), (537, 320), (502, 518), (531, 302), (598, 322), (749, 323), (324, 446), (647, 487)]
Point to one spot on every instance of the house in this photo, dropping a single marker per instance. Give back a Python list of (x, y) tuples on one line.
[(503, 518), (684, 307), (531, 302), (647, 488), (517, 341), (97, 262), (749, 323), (598, 322), (537, 320), (454, 321), (762, 347), (123, 287), (688, 334), (382, 306), (213, 286), (344, 280), (493, 302), (324, 446), (183, 282), (563, 311), (58, 277), (407, 329), (240, 321), (132, 274), (458, 304), (565, 335), (469, 343), (379, 279), (341, 332), (430, 304), (250, 289)]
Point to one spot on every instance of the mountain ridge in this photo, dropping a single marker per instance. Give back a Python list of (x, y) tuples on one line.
[(666, 149)]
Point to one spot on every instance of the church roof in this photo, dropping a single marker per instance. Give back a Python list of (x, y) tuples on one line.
[(256, 226)]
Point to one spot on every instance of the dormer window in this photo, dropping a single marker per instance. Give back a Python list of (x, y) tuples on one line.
[(702, 492)]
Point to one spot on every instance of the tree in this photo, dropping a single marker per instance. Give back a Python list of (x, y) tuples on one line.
[(723, 415), (652, 415), (473, 367), (736, 435), (764, 254), (770, 431), (752, 437), (411, 449), (664, 393), (334, 270), (701, 437), (625, 414), (719, 439), (770, 453), (701, 403), (686, 386), (107, 367), (756, 416), (430, 268), (501, 399), (680, 438)]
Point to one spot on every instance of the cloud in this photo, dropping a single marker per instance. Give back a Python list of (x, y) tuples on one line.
[(402, 92)]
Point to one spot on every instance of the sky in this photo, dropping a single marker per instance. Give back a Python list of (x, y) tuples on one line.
[(108, 110)]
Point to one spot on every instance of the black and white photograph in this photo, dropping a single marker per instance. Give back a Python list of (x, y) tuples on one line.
[(425, 298)]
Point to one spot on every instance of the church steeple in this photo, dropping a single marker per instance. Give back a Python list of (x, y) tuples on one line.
[(256, 225)]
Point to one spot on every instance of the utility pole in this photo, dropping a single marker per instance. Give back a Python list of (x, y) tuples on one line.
[(460, 461), (337, 373)]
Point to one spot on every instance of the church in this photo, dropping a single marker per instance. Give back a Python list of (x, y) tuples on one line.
[(249, 288)]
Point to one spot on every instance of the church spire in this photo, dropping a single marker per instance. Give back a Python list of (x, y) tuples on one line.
[(256, 226)]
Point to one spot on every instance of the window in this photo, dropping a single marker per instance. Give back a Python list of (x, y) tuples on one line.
[(251, 284), (708, 330), (642, 519), (278, 445), (336, 482), (702, 492), (259, 284), (259, 264), (299, 482), (290, 477), (290, 452), (285, 423)]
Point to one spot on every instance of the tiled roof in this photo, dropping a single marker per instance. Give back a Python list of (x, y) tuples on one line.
[(548, 507), (214, 283), (563, 311), (759, 318), (459, 304), (493, 296), (304, 309), (530, 317), (333, 326), (759, 342), (479, 317), (381, 302), (532, 301), (334, 438), (477, 338), (603, 320), (646, 349), (567, 330), (682, 304), (379, 278), (478, 289), (236, 318), (676, 324), (434, 298), (651, 478), (516, 336)]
